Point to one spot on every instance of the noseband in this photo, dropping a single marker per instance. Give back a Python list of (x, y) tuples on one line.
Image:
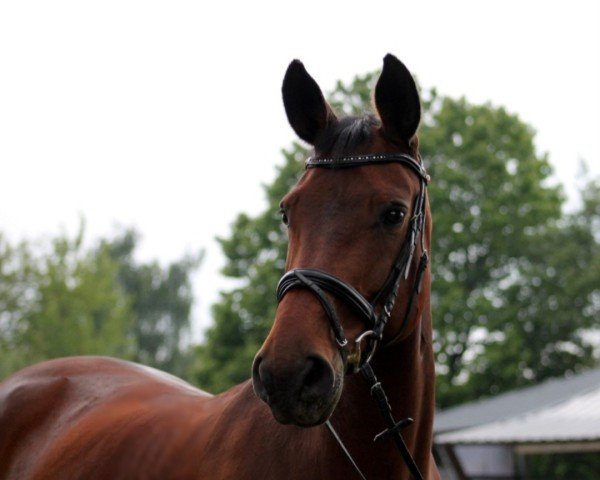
[(319, 282)]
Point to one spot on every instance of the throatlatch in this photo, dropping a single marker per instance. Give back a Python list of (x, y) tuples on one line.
[(320, 283)]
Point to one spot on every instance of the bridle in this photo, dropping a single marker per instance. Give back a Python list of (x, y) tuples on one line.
[(319, 282)]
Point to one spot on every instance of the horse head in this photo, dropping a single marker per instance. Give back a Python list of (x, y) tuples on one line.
[(355, 220)]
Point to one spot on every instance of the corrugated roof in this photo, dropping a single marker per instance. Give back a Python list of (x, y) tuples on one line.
[(574, 420), (517, 403)]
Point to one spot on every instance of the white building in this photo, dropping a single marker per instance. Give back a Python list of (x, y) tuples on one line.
[(489, 438)]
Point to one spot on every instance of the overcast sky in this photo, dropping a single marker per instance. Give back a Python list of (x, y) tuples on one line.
[(167, 116)]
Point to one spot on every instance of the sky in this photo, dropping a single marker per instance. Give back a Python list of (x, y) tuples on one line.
[(166, 116)]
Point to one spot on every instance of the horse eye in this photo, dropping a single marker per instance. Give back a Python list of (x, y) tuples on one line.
[(284, 217), (393, 216)]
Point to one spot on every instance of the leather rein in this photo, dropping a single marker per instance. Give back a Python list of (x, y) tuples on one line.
[(320, 282)]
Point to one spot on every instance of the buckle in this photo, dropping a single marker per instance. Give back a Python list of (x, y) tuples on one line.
[(393, 430)]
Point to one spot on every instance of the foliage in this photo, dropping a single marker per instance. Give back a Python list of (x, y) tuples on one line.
[(62, 302), (15, 297), (511, 297), (547, 308), (161, 303), (563, 466), (71, 300), (507, 306)]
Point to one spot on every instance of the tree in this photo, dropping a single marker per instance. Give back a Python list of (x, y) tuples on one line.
[(492, 209), (62, 302), (15, 298), (71, 300), (161, 303), (555, 301), (497, 224)]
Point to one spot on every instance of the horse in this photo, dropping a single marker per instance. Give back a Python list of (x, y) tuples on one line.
[(355, 298)]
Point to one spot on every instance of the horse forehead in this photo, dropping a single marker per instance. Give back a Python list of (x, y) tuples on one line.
[(355, 185)]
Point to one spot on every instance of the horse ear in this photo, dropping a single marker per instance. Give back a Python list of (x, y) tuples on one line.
[(397, 100), (307, 110)]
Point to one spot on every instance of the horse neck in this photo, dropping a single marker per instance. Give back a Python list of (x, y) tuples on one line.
[(406, 372)]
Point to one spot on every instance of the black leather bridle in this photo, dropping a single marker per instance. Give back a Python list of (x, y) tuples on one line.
[(319, 282)]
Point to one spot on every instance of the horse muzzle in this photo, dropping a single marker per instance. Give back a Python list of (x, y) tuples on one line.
[(302, 393)]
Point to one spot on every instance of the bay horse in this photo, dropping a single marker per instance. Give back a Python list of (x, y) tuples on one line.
[(355, 298)]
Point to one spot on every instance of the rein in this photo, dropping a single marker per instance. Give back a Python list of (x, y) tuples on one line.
[(320, 283)]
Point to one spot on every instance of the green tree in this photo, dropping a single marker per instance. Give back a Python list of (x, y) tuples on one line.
[(541, 328), (161, 303), (501, 316), (62, 302), (564, 466), (15, 298), (493, 209), (66, 299)]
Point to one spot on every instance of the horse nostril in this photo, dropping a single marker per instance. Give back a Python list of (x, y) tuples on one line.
[(257, 381), (318, 377)]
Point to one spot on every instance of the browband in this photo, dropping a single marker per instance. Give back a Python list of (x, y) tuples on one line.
[(369, 159)]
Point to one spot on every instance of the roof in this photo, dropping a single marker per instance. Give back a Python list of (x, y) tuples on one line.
[(559, 410)]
